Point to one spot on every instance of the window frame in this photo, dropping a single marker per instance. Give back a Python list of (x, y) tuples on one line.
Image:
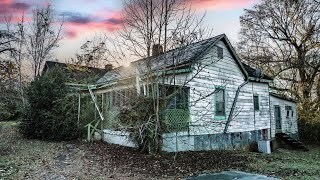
[(180, 94), (216, 117), (254, 107), (288, 108), (220, 52)]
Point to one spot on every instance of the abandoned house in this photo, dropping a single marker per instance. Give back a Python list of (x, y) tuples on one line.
[(218, 102)]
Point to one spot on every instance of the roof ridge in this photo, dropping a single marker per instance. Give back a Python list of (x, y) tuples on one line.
[(57, 62), (211, 38)]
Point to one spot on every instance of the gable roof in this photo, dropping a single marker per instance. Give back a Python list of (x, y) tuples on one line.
[(183, 55), (90, 73), (252, 72), (282, 97), (178, 56)]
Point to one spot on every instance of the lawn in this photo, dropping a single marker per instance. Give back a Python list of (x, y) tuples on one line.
[(33, 159)]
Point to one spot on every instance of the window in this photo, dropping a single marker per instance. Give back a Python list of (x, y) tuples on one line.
[(256, 102), (178, 98), (292, 113), (220, 52), (220, 101), (288, 109)]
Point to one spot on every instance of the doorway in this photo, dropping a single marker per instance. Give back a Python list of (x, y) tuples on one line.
[(277, 117)]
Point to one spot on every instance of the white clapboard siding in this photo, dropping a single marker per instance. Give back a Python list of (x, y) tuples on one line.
[(248, 119), (288, 124), (226, 72)]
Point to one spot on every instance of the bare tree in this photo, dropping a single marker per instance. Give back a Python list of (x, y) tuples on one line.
[(42, 37), (169, 23), (95, 53), (5, 39), (283, 38), (9, 91), (18, 45)]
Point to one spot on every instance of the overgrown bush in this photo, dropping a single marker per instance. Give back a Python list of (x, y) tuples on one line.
[(4, 112), (309, 121), (51, 113), (140, 118)]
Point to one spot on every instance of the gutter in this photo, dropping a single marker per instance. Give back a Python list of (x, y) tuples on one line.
[(234, 105)]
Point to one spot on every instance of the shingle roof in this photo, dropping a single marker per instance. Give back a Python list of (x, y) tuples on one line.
[(183, 55), (178, 56), (282, 97), (252, 72), (90, 73)]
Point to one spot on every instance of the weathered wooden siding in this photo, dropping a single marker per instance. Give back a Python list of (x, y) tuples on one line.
[(249, 119), (226, 72), (223, 72), (288, 124)]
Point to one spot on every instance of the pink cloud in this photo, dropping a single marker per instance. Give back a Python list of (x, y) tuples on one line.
[(220, 4), (110, 21), (70, 34), (13, 9), (77, 24)]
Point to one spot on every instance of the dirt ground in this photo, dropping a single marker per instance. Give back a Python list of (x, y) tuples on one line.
[(33, 159)]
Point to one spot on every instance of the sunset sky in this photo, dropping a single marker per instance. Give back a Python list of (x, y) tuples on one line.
[(84, 18)]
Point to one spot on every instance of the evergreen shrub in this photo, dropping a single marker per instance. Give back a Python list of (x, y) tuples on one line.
[(51, 113)]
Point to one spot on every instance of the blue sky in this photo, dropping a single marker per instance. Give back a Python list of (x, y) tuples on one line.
[(84, 18)]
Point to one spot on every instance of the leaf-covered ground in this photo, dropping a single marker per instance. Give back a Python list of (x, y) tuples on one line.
[(32, 159)]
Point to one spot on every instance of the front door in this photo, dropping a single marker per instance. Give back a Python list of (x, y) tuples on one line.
[(277, 117)]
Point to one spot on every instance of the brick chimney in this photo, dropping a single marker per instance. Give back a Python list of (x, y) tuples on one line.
[(157, 49)]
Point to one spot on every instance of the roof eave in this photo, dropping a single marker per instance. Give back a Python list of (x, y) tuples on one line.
[(260, 80), (281, 97)]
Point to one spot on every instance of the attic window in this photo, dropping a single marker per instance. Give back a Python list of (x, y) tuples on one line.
[(220, 52)]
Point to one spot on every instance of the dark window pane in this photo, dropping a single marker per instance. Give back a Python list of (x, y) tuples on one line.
[(220, 52), (288, 109), (220, 102), (256, 102), (177, 98)]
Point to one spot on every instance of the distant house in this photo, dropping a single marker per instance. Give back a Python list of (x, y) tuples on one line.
[(221, 104), (77, 73)]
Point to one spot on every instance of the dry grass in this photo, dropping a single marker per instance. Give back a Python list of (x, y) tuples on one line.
[(33, 159), (287, 164)]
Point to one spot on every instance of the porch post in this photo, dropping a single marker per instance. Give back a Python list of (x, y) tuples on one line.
[(138, 81)]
